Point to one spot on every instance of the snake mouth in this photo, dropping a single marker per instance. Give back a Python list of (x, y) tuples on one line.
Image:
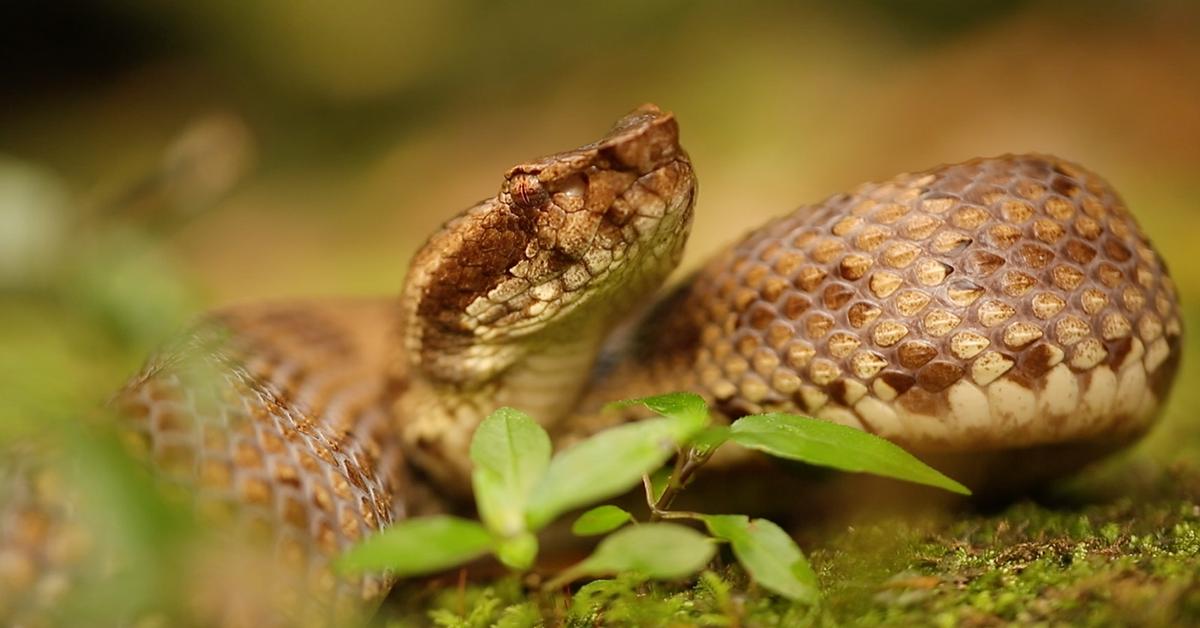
[(606, 220), (615, 250)]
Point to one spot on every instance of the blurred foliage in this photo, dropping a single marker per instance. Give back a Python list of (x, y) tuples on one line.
[(157, 159)]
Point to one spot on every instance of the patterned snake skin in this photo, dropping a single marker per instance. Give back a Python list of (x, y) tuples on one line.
[(996, 305), (281, 412)]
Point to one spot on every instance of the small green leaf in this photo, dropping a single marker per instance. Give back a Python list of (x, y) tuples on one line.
[(592, 598), (770, 556), (510, 452), (518, 552), (601, 519), (681, 405), (419, 546), (836, 446), (659, 480), (607, 464), (711, 437), (662, 551)]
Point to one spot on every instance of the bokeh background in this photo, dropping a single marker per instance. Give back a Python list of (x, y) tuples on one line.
[(158, 159)]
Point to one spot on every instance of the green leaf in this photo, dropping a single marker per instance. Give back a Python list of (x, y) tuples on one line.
[(518, 552), (662, 551), (511, 453), (601, 519), (710, 437), (836, 446), (607, 464), (419, 546), (770, 556), (681, 405), (659, 481), (596, 596)]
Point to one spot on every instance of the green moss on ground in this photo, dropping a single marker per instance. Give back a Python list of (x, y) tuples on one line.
[(1130, 555), (1123, 560)]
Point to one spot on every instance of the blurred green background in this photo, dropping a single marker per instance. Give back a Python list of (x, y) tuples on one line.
[(158, 159)]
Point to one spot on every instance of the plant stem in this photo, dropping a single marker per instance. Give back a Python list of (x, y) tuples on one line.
[(649, 486), (686, 465), (561, 580)]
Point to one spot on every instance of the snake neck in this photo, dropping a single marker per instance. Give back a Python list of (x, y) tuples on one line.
[(439, 416), (650, 355)]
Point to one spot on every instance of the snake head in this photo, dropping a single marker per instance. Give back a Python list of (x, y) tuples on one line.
[(567, 245), (508, 303)]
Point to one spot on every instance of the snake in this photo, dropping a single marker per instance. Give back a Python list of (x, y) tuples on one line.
[(1006, 313)]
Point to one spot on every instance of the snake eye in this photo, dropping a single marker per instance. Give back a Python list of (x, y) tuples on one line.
[(527, 192)]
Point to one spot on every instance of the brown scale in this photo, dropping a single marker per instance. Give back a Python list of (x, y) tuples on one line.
[(989, 268)]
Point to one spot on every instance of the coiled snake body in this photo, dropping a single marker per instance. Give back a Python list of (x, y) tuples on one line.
[(990, 308)]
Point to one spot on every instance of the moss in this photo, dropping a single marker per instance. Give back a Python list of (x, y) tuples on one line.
[(1079, 558), (1100, 563)]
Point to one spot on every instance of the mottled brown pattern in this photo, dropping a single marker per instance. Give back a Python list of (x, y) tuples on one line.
[(465, 269), (275, 416)]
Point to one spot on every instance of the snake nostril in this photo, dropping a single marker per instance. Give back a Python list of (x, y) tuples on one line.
[(527, 192)]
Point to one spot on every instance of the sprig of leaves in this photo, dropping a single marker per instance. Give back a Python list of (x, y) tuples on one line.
[(520, 489)]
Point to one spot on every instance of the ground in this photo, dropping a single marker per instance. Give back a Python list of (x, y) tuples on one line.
[(1119, 547)]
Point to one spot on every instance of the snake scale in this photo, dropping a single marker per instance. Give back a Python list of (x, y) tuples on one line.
[(1000, 311)]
